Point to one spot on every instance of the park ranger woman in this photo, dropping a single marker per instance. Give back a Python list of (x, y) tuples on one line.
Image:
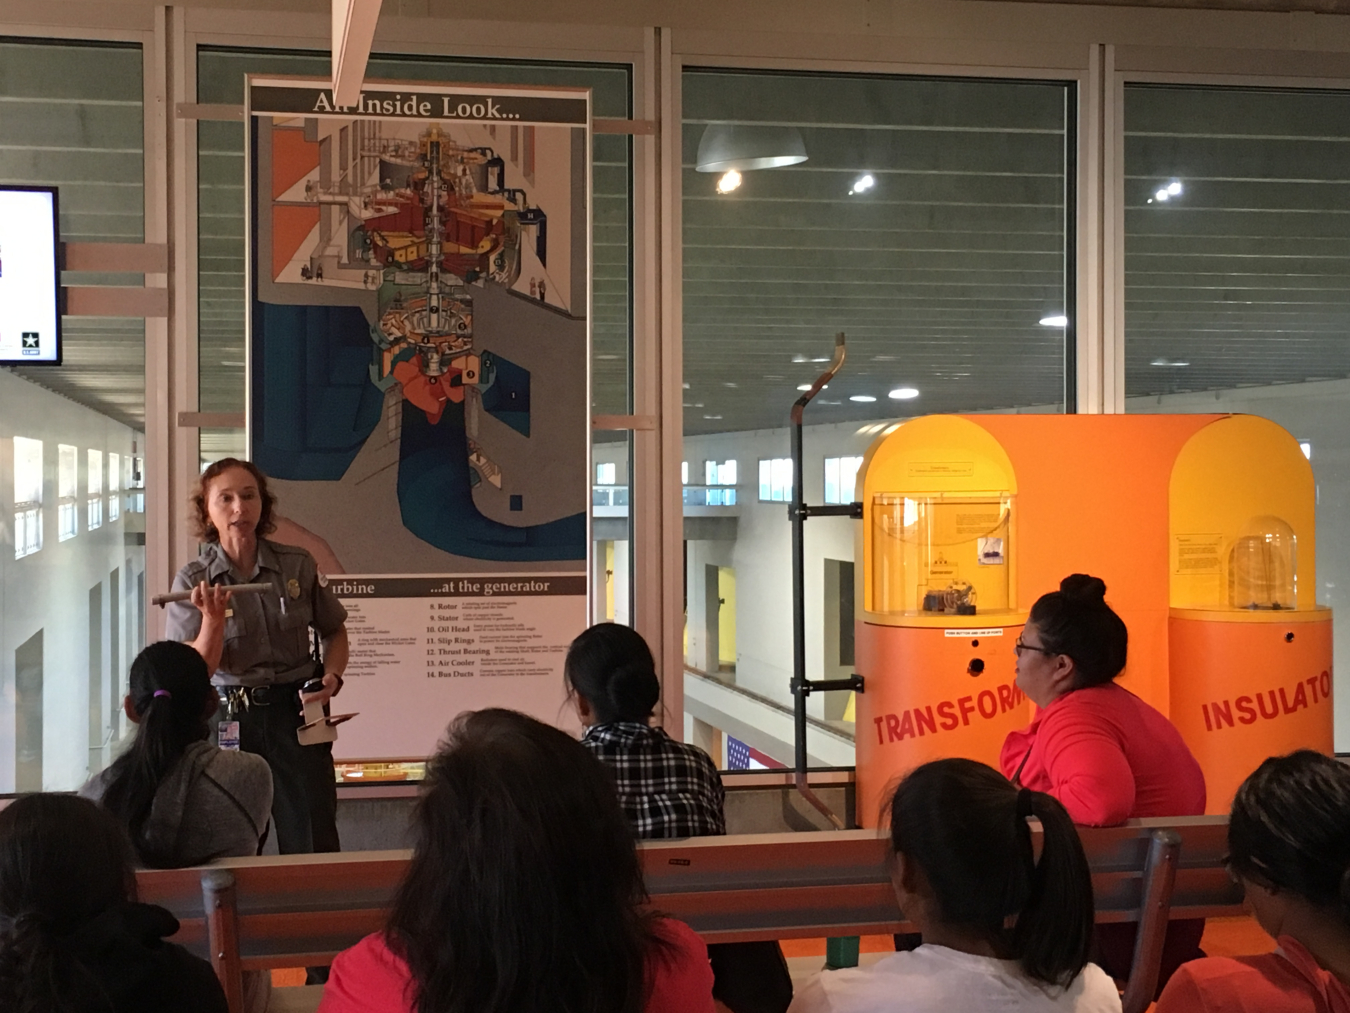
[(258, 646)]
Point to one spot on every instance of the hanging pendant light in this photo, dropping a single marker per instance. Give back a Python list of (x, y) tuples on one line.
[(739, 146)]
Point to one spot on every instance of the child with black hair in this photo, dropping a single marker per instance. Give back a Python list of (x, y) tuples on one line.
[(72, 937), (182, 800), (1003, 929), (1289, 847), (666, 788)]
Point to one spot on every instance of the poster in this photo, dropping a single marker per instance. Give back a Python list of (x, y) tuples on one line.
[(418, 373)]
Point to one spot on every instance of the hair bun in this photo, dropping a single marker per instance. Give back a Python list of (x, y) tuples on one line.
[(1084, 588)]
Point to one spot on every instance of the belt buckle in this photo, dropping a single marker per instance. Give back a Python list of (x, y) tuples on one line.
[(260, 695)]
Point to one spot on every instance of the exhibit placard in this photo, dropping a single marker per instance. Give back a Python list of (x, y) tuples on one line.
[(419, 389)]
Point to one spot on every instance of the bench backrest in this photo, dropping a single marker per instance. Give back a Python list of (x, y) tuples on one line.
[(295, 910)]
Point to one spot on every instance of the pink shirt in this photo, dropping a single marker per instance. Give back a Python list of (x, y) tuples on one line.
[(371, 978), (1108, 757), (1286, 981)]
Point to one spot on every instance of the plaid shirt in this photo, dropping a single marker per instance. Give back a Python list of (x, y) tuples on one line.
[(666, 788)]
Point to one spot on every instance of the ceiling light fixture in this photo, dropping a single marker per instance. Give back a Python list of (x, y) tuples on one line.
[(740, 146), (1169, 362), (862, 184), (1055, 320), (807, 386), (729, 181), (904, 393), (1174, 188), (862, 398), (714, 417)]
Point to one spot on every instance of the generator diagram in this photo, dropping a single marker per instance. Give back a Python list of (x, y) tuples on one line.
[(452, 248)]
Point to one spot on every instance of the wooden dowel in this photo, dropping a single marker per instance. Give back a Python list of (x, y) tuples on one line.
[(163, 599)]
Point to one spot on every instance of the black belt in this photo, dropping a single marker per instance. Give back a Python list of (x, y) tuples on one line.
[(265, 695)]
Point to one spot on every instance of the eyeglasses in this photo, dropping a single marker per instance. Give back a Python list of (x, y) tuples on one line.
[(1019, 648)]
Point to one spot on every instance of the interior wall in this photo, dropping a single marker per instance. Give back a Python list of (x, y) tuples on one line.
[(50, 590)]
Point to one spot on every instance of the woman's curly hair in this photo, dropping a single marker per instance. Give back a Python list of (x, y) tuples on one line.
[(200, 518)]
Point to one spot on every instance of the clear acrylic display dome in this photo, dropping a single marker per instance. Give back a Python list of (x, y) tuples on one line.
[(1263, 566)]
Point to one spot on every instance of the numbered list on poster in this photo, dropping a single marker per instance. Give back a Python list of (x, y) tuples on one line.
[(424, 649)]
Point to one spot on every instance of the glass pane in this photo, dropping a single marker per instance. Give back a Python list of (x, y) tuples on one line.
[(1237, 281), (73, 613), (926, 218)]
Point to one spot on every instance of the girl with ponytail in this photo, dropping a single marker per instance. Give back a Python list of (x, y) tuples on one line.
[(182, 800), (1105, 754), (1289, 847), (1003, 928), (72, 939)]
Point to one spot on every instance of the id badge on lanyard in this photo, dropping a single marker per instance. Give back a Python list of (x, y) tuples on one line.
[(229, 735)]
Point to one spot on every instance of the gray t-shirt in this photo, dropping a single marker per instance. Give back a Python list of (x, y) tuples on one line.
[(266, 635), (214, 803)]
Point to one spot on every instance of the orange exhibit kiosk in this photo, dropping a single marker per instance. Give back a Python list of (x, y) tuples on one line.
[(1201, 526)]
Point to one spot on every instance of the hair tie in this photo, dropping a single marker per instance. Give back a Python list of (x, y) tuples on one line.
[(1025, 798), (163, 692)]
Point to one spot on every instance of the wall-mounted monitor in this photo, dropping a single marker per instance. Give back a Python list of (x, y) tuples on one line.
[(30, 277)]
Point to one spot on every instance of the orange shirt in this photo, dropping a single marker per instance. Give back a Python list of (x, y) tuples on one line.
[(1286, 981)]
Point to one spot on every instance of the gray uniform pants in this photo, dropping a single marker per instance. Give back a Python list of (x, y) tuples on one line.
[(304, 791)]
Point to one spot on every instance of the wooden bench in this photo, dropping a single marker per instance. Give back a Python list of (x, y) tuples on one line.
[(291, 911)]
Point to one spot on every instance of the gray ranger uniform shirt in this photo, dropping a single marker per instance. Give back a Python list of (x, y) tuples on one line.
[(266, 635)]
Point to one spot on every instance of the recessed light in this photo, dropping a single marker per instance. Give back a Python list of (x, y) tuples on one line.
[(904, 393), (729, 384), (862, 184), (1162, 195), (729, 181), (1169, 362), (1055, 320), (863, 398), (1174, 188), (712, 417)]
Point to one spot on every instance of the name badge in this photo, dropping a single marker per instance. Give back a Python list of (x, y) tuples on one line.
[(293, 588), (229, 735)]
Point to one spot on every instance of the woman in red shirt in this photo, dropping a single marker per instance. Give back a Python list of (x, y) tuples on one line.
[(1104, 753), (1289, 847), (524, 894)]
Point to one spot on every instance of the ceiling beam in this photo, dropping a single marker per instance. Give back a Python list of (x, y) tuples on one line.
[(353, 34)]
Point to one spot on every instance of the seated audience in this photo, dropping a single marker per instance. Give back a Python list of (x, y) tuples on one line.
[(182, 800), (666, 788), (1106, 755), (1289, 847), (1002, 928), (72, 939), (524, 894)]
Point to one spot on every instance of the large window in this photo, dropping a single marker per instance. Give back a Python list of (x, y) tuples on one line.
[(925, 218), (27, 496), (67, 491), (1237, 280), (71, 115)]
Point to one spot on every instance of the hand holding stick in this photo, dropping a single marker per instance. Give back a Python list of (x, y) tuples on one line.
[(203, 588)]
